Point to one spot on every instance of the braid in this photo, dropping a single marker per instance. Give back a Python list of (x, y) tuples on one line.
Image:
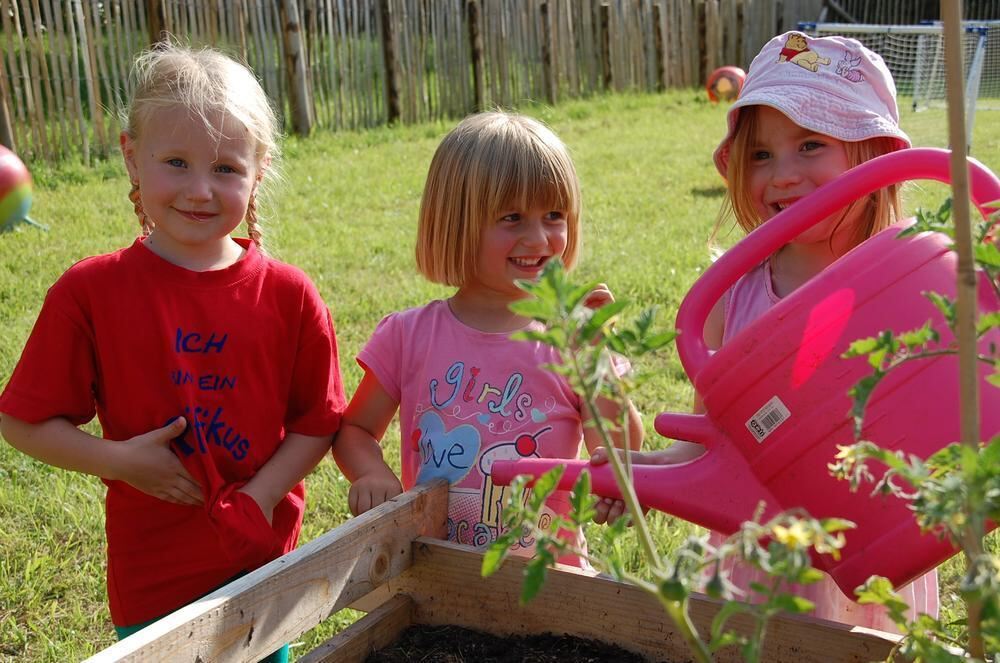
[(253, 226), (136, 198)]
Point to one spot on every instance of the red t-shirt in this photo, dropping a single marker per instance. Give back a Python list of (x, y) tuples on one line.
[(245, 354)]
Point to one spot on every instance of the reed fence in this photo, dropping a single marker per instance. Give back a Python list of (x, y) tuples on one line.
[(344, 64)]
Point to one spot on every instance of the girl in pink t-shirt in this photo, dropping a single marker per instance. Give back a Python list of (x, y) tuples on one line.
[(795, 126), (501, 200)]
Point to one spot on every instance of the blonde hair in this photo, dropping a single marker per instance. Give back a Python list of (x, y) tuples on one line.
[(487, 163), (877, 211), (206, 83)]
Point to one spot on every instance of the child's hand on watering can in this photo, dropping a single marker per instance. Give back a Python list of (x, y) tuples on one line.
[(609, 509)]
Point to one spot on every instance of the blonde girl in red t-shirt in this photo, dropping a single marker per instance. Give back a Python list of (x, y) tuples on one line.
[(213, 369)]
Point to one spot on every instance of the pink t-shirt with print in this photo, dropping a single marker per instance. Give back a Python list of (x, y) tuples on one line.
[(466, 399)]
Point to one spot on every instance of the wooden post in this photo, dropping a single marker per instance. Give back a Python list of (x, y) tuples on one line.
[(6, 128), (965, 306), (157, 21), (605, 46), (548, 57), (389, 62), (299, 98), (661, 81), (476, 45)]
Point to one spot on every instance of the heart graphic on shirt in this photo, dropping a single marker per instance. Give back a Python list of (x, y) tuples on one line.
[(484, 418), (446, 454), (537, 415)]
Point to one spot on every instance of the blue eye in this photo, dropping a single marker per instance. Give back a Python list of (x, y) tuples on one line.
[(811, 145), (226, 169), (513, 217), (760, 155), (555, 215), (176, 163)]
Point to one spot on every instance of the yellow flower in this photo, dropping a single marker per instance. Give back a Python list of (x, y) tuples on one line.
[(796, 536)]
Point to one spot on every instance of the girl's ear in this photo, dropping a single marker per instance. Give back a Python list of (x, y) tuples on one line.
[(127, 146)]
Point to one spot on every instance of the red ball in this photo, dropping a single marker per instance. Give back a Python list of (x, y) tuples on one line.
[(725, 83)]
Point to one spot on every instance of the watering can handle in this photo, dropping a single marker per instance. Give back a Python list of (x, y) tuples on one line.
[(909, 164)]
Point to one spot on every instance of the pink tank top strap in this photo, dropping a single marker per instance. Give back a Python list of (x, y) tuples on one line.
[(748, 299)]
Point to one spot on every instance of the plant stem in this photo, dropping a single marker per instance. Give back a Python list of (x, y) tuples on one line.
[(678, 612), (624, 482)]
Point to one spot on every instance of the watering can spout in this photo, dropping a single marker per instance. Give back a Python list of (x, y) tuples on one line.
[(717, 490)]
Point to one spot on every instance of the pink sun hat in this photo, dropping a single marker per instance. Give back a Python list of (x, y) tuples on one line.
[(831, 85)]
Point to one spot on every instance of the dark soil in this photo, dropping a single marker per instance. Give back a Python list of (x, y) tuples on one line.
[(453, 644)]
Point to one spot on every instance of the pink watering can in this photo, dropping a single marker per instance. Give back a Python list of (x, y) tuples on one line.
[(776, 394)]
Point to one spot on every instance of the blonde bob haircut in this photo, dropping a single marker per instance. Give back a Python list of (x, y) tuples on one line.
[(491, 163), (875, 212)]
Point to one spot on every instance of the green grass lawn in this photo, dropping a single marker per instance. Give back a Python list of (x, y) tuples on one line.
[(346, 212)]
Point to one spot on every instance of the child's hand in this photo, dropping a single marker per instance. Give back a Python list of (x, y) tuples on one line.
[(265, 508), (147, 464), (609, 510), (598, 297), (371, 489)]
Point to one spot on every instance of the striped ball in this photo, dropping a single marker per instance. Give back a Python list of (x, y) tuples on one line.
[(15, 189)]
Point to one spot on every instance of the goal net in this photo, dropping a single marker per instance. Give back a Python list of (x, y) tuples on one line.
[(915, 56)]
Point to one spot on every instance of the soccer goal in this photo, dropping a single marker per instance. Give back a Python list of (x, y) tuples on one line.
[(915, 56)]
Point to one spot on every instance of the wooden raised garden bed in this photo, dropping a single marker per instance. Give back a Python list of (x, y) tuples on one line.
[(388, 563)]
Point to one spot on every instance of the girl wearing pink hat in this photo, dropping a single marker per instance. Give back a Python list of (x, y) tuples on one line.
[(810, 109)]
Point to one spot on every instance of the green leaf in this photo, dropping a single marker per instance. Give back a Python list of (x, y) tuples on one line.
[(494, 556), (600, 317), (534, 308), (918, 338), (861, 347), (554, 337), (534, 576), (581, 500), (987, 254), (657, 341), (792, 604), (546, 485), (945, 305), (987, 321), (994, 377)]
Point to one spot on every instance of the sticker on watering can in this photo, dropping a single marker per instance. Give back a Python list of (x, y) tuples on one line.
[(766, 419)]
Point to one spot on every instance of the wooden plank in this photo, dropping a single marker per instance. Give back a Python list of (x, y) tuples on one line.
[(75, 56), (101, 76), (36, 67), (447, 588), (52, 105), (376, 630), (25, 108), (68, 104), (343, 50), (7, 137), (251, 617)]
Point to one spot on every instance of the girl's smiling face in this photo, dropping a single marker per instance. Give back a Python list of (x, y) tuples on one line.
[(516, 246), (786, 162), (195, 184)]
